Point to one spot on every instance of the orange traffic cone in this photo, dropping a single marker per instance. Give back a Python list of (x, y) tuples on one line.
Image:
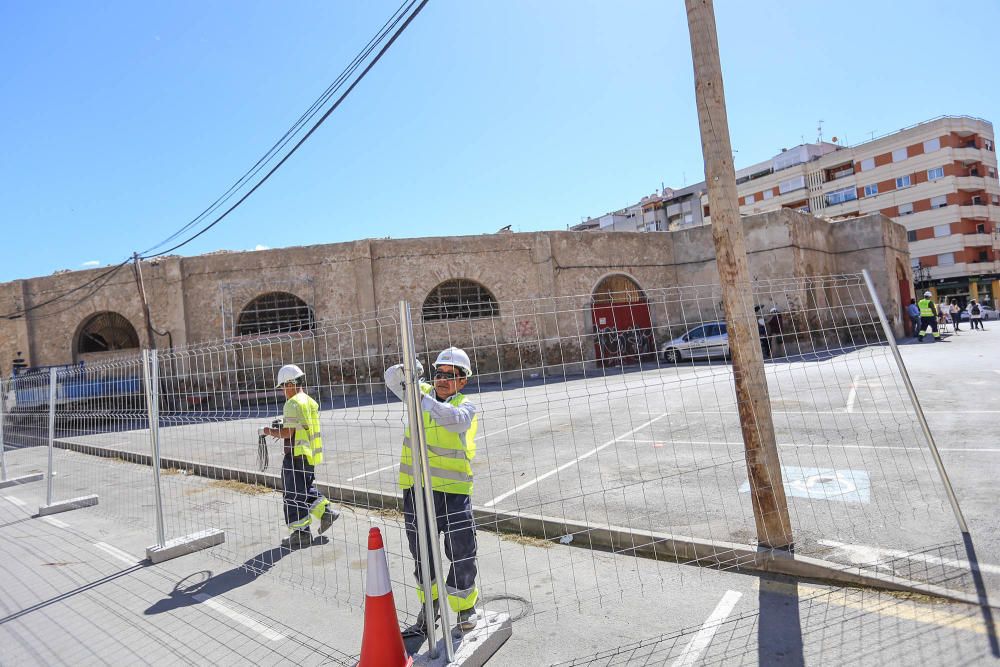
[(382, 643)]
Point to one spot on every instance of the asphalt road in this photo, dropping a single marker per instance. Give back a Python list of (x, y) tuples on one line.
[(660, 449)]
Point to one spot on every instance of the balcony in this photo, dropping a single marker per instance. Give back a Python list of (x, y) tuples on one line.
[(977, 240), (970, 183), (974, 211)]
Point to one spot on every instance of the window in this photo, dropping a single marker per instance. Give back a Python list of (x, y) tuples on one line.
[(275, 312), (942, 230), (914, 263), (106, 332), (750, 199), (899, 155), (939, 202), (935, 173), (697, 332), (792, 184), (932, 145), (906, 209), (983, 256), (459, 299), (903, 182), (988, 144), (768, 194), (871, 190), (947, 259), (995, 199), (981, 228), (868, 164), (911, 236), (991, 172), (841, 196)]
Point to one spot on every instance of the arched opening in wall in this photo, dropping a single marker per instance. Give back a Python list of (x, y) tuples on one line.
[(275, 312), (623, 329), (106, 332), (459, 299)]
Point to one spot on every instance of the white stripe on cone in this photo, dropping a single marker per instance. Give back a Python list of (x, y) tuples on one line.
[(378, 574)]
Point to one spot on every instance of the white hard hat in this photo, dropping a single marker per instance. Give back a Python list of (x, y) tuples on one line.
[(927, 294), (454, 356), (288, 373)]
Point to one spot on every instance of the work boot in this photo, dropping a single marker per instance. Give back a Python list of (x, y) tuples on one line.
[(297, 540), (419, 629), (467, 620), (329, 516)]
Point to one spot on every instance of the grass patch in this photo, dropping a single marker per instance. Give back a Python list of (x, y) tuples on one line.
[(526, 540), (242, 487)]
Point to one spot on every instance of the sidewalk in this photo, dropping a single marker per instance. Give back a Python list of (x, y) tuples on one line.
[(75, 593)]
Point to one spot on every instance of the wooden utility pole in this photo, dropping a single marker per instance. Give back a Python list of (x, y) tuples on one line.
[(763, 467), (137, 267)]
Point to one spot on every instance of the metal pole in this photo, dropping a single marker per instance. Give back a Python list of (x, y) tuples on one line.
[(3, 405), (151, 375), (52, 432), (415, 418), (916, 403), (418, 442)]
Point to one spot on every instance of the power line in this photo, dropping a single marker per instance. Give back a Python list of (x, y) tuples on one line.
[(317, 104), (101, 280), (308, 134)]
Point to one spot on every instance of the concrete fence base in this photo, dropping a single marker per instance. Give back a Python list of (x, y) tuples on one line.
[(23, 479), (613, 539)]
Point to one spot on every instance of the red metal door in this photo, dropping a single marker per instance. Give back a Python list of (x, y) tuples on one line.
[(623, 333)]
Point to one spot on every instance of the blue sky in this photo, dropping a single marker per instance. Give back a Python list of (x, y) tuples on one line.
[(123, 120)]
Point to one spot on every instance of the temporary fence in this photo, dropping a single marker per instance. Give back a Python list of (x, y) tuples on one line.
[(609, 425)]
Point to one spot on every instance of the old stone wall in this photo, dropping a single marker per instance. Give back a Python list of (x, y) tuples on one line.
[(542, 280)]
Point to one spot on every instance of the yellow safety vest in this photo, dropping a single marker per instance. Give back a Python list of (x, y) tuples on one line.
[(302, 413), (926, 308), (449, 455)]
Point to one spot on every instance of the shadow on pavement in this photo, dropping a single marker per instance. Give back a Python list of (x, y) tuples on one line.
[(76, 591), (205, 584), (779, 628)]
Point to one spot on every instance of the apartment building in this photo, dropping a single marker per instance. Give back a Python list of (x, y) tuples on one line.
[(937, 178)]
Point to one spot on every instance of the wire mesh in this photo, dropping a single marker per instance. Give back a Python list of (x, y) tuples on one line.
[(608, 425)]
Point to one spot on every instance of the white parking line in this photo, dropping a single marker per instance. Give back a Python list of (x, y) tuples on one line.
[(698, 644), (373, 472), (864, 555), (575, 461), (511, 428), (853, 394), (52, 521), (117, 553), (15, 501), (836, 445), (242, 619)]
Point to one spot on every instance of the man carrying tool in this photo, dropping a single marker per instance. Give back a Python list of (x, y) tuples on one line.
[(928, 317), (450, 425), (303, 449)]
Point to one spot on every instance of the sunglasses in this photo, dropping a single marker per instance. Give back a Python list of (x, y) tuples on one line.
[(441, 375)]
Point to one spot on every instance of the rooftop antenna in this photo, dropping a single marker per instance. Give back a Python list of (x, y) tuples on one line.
[(819, 131), (684, 177), (871, 135)]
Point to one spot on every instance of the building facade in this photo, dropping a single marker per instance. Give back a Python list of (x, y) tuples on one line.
[(485, 287), (937, 178)]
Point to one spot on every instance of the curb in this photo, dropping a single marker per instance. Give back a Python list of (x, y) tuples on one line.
[(613, 539)]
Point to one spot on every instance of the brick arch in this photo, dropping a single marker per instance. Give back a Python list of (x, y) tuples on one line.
[(104, 331)]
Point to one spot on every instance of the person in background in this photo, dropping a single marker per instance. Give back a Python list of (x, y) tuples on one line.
[(928, 317), (774, 331), (914, 314), (975, 315), (956, 314)]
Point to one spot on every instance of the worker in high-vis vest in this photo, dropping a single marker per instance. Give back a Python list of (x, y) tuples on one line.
[(303, 449), (928, 317), (450, 425)]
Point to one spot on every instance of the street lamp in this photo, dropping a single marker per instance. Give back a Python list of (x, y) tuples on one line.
[(921, 274)]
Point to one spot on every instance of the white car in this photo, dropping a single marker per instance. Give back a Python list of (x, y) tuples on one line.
[(704, 341), (986, 312)]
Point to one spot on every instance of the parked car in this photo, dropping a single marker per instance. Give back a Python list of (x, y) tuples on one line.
[(987, 313), (704, 341)]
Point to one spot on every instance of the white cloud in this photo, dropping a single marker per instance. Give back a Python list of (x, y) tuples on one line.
[(262, 247), (91, 263)]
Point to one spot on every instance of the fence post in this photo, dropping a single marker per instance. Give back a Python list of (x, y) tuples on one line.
[(151, 376), (3, 406), (179, 546), (52, 433), (63, 505), (890, 337), (423, 495)]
